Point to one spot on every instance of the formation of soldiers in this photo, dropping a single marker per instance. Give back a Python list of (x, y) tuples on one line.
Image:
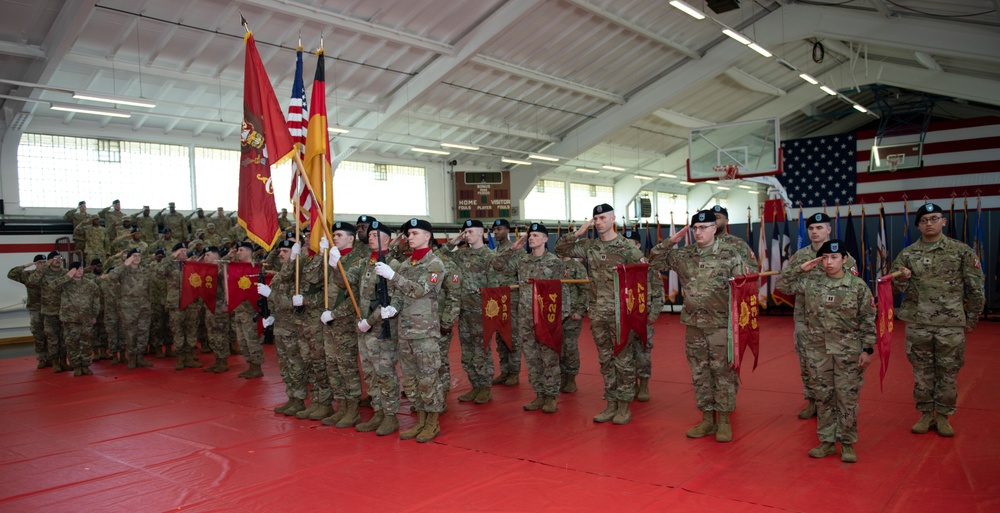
[(376, 298)]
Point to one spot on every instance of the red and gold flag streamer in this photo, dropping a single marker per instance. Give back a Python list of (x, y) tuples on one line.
[(744, 324), (241, 284), (631, 293), (546, 310), (496, 314), (885, 318), (199, 280)]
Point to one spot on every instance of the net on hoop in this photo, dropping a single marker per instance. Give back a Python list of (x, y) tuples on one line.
[(895, 161), (727, 174)]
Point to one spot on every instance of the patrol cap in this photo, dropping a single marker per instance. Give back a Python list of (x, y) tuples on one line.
[(929, 208), (209, 225), (159, 251), (145, 207), (704, 216), (603, 208), (75, 265), (537, 227), (171, 204), (419, 224), (501, 222), (817, 218), (366, 219), (345, 227), (179, 245), (376, 225), (832, 246), (53, 254), (94, 216), (39, 257), (96, 261), (286, 244), (472, 223), (202, 211), (133, 251), (632, 234), (719, 209), (127, 220)]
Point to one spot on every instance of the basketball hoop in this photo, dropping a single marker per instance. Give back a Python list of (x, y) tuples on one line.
[(895, 161), (727, 174)]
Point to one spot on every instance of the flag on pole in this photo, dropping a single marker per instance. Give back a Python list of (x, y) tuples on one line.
[(199, 280), (673, 280), (744, 331), (298, 113), (765, 264), (317, 159), (883, 326), (866, 267), (965, 220), (496, 314), (649, 242), (631, 293), (784, 255), (837, 231), (979, 236), (803, 238), (851, 239), (264, 141), (882, 262), (906, 224), (951, 220), (546, 310), (241, 284), (749, 229)]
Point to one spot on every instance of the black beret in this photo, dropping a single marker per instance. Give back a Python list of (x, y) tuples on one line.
[(704, 216), (179, 245), (165, 229), (289, 234), (501, 222), (632, 234), (472, 223), (603, 208), (832, 246), (419, 224), (39, 257), (134, 230), (345, 227), (537, 227), (817, 218), (929, 208), (719, 209), (53, 254), (376, 225), (286, 244), (190, 253), (75, 265), (131, 252), (115, 201), (244, 244), (81, 203), (212, 249), (159, 251), (96, 261), (366, 219), (223, 252)]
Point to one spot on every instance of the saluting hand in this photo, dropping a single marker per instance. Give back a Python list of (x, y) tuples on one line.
[(679, 236), (583, 229), (808, 266), (519, 243)]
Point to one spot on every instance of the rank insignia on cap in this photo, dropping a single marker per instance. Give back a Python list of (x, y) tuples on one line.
[(434, 278), (454, 278), (930, 207), (413, 222), (819, 217), (835, 247)]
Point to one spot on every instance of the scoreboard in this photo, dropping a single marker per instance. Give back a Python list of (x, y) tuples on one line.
[(482, 195)]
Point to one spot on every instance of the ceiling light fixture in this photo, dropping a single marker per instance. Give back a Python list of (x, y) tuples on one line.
[(68, 107), (586, 170), (613, 168), (722, 188), (335, 130), (859, 108), (713, 182), (753, 192), (547, 158), (828, 91), (737, 36), (515, 161), (760, 49), (744, 187), (686, 183), (460, 146), (111, 98), (691, 11), (429, 150), (807, 78), (641, 177), (668, 175)]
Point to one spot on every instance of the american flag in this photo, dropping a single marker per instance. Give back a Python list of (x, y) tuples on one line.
[(820, 171), (298, 114)]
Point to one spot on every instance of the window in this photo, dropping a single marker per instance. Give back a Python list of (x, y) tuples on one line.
[(547, 201), (379, 189), (216, 173), (584, 197), (672, 206)]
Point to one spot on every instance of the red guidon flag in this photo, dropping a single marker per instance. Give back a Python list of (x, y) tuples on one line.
[(241, 284), (631, 294), (744, 329), (496, 314), (264, 141), (546, 310), (883, 326), (199, 281)]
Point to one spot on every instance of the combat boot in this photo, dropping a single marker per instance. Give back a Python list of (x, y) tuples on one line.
[(847, 454), (550, 405), (142, 362), (608, 413), (500, 379), (351, 416), (823, 450), (57, 366), (809, 411), (412, 433), (431, 428), (924, 424), (388, 426), (211, 368), (512, 379), (161, 352), (333, 418), (943, 426), (281, 407), (205, 348), (484, 395), (252, 372), (623, 415), (322, 411), (221, 365), (77, 371), (706, 427), (86, 370), (180, 363), (131, 361), (372, 424), (535, 404), (304, 414), (724, 433), (469, 396), (170, 350), (570, 385), (43, 364), (294, 407), (190, 360), (116, 358), (643, 394)]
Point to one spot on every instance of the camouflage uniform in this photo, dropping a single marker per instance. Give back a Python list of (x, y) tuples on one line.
[(197, 224), (840, 321), (177, 223), (50, 297), (112, 315), (509, 359), (741, 247), (133, 288), (147, 226), (75, 217), (182, 324), (112, 218), (218, 324), (542, 360), (79, 307), (290, 364), (97, 243), (944, 297), (704, 275), (160, 330), (308, 329), (569, 361), (238, 233), (340, 337), (477, 362), (787, 273), (618, 371), (448, 310), (415, 289), (34, 306)]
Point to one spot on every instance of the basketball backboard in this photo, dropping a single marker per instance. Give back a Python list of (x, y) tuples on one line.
[(894, 157), (752, 146)]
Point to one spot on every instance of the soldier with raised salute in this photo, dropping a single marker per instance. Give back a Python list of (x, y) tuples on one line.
[(20, 274), (722, 233), (943, 283), (79, 307), (133, 286)]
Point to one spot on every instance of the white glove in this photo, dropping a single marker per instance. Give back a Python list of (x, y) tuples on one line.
[(334, 256), (382, 269), (388, 311), (364, 326), (324, 244), (296, 249), (297, 300), (268, 321), (326, 317), (263, 290)]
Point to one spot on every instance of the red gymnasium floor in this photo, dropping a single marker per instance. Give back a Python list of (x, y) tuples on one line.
[(158, 440)]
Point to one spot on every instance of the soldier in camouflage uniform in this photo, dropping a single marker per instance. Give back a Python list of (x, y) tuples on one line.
[(602, 254), (77, 215), (113, 215), (542, 360), (212, 236), (101, 335), (284, 223), (378, 356), (722, 233), (362, 226), (217, 323), (654, 305), (222, 222), (943, 282), (147, 226), (199, 222), (415, 285), (569, 361), (20, 274), (132, 281), (80, 305), (819, 229), (183, 324), (838, 338), (96, 241), (509, 359), (340, 338), (244, 324), (50, 297), (161, 341), (174, 220), (474, 261), (111, 302), (309, 303), (449, 306), (704, 269), (290, 365)]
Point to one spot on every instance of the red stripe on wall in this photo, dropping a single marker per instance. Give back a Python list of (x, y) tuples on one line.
[(970, 168), (940, 148), (39, 247), (953, 124), (939, 194)]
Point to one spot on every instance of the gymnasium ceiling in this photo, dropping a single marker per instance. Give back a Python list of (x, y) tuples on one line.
[(593, 82)]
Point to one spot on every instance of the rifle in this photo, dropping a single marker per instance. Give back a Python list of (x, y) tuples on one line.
[(263, 311), (382, 293)]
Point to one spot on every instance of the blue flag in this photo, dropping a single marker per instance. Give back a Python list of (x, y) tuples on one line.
[(851, 240), (803, 238), (492, 243)]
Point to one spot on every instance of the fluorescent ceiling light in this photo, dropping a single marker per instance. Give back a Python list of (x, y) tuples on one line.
[(753, 192), (585, 170), (737, 36), (807, 78), (515, 161), (460, 146), (760, 49), (828, 91), (110, 98), (613, 168), (713, 182), (537, 156), (744, 187), (860, 108), (641, 177), (878, 161), (68, 107), (686, 183), (691, 11), (429, 150), (668, 175), (722, 188), (335, 130)]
